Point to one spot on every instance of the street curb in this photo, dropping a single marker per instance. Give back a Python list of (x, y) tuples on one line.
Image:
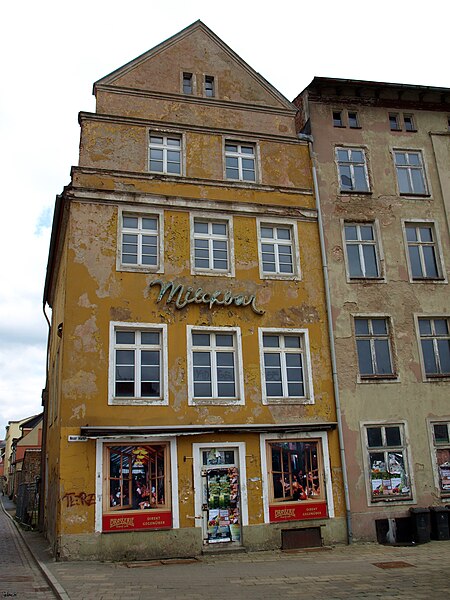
[(57, 588)]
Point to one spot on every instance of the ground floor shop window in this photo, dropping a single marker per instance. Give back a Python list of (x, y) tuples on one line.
[(388, 463), (441, 440), (136, 487), (296, 480)]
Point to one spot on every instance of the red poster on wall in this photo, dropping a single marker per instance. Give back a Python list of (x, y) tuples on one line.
[(151, 519), (297, 512)]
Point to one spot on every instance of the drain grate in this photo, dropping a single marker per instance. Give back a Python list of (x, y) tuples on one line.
[(395, 564)]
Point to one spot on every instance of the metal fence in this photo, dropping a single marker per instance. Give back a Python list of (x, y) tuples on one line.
[(27, 506)]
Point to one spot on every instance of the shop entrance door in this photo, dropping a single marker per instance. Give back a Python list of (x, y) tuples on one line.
[(221, 496)]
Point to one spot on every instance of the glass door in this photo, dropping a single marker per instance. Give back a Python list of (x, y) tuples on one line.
[(221, 496)]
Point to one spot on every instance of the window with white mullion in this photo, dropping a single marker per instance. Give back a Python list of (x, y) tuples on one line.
[(283, 366), (276, 250), (352, 170), (422, 250), (435, 344), (362, 252), (410, 172), (211, 247), (138, 363), (214, 365), (140, 240), (374, 347), (165, 154), (240, 161)]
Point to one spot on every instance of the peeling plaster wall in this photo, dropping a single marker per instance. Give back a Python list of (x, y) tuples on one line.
[(411, 399)]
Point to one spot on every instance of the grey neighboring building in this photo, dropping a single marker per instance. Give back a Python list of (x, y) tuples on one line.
[(382, 155)]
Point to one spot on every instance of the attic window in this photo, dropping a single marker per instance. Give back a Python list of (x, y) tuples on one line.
[(187, 83), (209, 86)]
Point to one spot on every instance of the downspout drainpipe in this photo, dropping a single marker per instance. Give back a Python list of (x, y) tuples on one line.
[(332, 347)]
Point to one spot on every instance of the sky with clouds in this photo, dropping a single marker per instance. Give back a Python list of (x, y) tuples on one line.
[(53, 51)]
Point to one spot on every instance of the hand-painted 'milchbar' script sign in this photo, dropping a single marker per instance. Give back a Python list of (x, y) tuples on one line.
[(184, 295)]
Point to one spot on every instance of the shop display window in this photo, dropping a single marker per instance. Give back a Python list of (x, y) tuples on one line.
[(137, 477), (388, 464), (441, 439), (296, 472)]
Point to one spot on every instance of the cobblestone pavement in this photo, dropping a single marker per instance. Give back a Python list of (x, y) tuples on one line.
[(354, 572), (20, 576)]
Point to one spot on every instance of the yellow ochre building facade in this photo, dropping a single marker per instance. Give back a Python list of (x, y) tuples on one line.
[(189, 403)]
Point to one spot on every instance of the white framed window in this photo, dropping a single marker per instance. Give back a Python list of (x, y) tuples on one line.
[(353, 120), (285, 363), (410, 172), (279, 256), (352, 169), (388, 471), (374, 347), (215, 374), (140, 244), (338, 119), (423, 251), (165, 153), (434, 333), (362, 251), (138, 363), (212, 249), (240, 161), (441, 448), (394, 122)]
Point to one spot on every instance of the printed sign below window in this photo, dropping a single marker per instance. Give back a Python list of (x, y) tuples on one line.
[(297, 512), (137, 521)]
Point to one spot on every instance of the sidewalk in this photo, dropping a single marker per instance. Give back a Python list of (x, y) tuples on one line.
[(359, 571)]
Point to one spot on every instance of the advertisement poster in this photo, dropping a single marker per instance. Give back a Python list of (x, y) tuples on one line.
[(121, 521), (224, 523)]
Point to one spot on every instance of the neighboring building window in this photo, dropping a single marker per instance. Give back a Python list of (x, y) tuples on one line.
[(422, 251), (278, 250), (410, 172), (140, 240), (211, 245), (352, 169), (441, 440), (285, 365), (394, 122), (362, 251), (374, 347), (137, 477), (353, 122), (165, 154), (388, 464), (215, 365), (295, 471), (408, 120), (240, 161), (337, 118), (139, 364), (187, 83), (435, 344), (209, 86)]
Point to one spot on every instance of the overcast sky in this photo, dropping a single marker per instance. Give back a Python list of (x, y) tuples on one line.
[(52, 52)]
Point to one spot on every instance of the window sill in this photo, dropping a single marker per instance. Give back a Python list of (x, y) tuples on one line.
[(413, 195), (378, 378), (392, 499), (138, 269), (437, 376), (280, 276), (367, 280), (212, 273), (216, 401), (287, 401), (355, 192), (428, 280), (138, 401)]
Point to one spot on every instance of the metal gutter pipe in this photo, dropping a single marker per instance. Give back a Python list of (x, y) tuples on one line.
[(332, 348)]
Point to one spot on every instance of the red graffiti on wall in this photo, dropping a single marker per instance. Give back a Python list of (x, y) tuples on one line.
[(81, 499)]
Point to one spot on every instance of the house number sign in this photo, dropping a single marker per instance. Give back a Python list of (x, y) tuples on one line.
[(183, 295)]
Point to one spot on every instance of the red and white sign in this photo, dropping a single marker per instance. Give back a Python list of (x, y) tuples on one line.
[(297, 512), (148, 519)]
